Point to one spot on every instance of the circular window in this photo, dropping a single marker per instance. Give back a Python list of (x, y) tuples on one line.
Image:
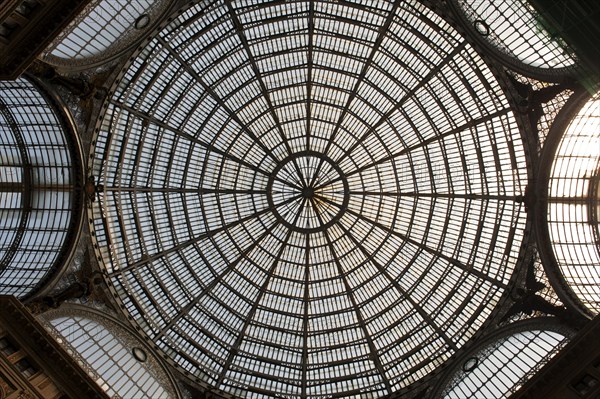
[(470, 364), (325, 201), (139, 354), (482, 27)]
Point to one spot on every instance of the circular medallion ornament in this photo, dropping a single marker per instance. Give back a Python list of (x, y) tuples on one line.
[(308, 199), (139, 354), (142, 21), (470, 364)]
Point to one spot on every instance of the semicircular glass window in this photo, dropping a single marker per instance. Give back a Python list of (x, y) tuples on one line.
[(498, 369), (308, 198), (574, 205), (37, 182), (118, 370), (515, 28), (101, 25)]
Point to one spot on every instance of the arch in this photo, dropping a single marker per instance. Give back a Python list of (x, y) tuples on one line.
[(568, 213)]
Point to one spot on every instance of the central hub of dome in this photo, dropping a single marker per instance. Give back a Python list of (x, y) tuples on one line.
[(308, 192)]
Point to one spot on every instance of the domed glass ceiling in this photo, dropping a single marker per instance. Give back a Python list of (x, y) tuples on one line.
[(308, 198)]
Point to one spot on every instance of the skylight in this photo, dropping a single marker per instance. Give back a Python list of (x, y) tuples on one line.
[(308, 199), (574, 205), (38, 205)]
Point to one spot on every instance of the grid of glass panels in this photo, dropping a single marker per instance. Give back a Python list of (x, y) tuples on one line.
[(121, 374), (213, 241), (102, 24), (500, 368), (514, 27), (36, 188), (574, 205)]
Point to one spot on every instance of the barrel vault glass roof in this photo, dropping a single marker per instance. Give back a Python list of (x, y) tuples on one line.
[(37, 179), (116, 369), (574, 205), (311, 198)]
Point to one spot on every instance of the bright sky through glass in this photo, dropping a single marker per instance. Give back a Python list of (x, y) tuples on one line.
[(248, 257), (574, 203), (102, 26), (36, 187)]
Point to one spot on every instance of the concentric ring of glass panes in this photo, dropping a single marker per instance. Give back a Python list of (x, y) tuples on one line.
[(500, 365), (515, 29), (574, 205), (37, 183), (229, 94)]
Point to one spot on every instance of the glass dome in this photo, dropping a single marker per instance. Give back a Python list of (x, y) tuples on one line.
[(308, 198)]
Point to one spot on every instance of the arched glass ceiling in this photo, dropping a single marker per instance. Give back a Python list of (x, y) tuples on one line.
[(119, 373), (574, 205), (38, 203), (308, 198), (102, 26), (514, 27), (498, 367)]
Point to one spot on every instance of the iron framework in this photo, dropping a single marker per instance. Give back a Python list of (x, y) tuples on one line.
[(307, 198), (40, 188)]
